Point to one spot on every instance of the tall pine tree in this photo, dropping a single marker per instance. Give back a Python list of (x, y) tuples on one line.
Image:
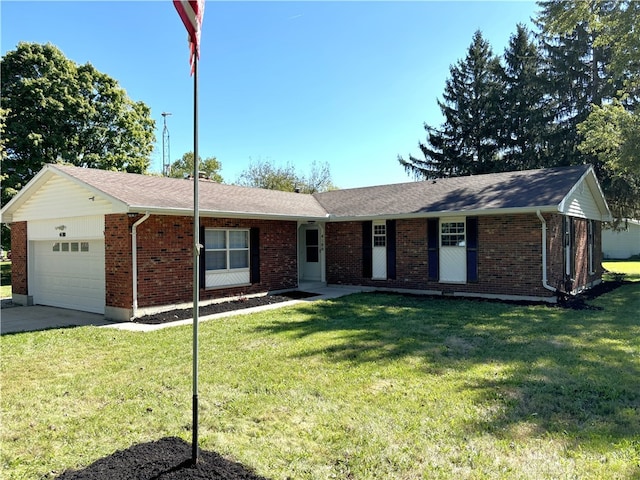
[(525, 106), (592, 55), (577, 65), (467, 142)]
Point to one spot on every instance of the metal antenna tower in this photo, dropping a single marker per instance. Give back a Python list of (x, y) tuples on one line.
[(166, 157)]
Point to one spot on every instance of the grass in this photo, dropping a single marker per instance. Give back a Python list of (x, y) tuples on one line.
[(365, 386), (5, 279), (630, 270)]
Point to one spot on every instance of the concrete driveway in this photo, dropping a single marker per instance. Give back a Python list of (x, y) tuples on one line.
[(16, 319)]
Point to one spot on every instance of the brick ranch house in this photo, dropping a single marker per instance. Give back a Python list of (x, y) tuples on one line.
[(517, 235)]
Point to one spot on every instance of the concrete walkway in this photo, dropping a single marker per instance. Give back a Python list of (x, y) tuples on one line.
[(17, 319)]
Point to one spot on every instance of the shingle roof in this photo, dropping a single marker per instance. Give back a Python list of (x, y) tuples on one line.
[(528, 190), (162, 193), (510, 190)]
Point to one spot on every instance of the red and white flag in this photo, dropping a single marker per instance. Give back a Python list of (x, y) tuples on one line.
[(191, 12)]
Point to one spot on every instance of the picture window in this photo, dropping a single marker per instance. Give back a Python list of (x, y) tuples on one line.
[(226, 250)]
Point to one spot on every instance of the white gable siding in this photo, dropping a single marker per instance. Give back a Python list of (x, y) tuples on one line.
[(59, 197), (581, 203), (72, 228)]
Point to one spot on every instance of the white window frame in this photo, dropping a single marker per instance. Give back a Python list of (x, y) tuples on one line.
[(379, 234), (454, 233), (228, 276)]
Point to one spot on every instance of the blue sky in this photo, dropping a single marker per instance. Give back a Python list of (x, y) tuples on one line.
[(348, 83)]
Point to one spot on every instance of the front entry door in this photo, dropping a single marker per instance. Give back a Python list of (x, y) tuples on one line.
[(310, 253)]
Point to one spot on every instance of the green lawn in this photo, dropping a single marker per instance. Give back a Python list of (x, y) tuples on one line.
[(5, 279), (365, 386), (630, 269)]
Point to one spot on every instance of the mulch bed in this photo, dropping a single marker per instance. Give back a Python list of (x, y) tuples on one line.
[(573, 302), (183, 314), (165, 459)]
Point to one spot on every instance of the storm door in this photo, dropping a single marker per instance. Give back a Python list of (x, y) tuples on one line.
[(310, 253)]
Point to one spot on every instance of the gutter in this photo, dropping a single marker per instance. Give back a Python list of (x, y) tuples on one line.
[(545, 284), (134, 260)]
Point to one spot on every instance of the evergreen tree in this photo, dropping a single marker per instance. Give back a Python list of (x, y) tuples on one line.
[(592, 53), (577, 65), (467, 142), (525, 106)]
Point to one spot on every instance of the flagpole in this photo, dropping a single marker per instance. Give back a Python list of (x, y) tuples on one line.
[(196, 261)]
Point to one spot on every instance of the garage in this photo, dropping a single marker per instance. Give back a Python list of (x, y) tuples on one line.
[(68, 274)]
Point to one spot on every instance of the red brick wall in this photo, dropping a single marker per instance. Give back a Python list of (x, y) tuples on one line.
[(509, 256), (555, 251), (165, 259), (581, 277), (117, 250), (19, 247), (344, 255)]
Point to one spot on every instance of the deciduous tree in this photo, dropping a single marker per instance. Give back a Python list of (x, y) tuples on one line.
[(210, 166), (264, 174), (59, 111)]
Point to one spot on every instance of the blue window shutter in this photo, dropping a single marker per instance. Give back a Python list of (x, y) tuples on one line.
[(367, 249), (254, 254), (472, 249), (433, 255), (391, 249)]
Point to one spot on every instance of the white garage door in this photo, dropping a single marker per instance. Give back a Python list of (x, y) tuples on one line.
[(68, 274)]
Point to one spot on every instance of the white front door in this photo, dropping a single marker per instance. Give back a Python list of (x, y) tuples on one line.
[(453, 251), (310, 253), (379, 254), (68, 274)]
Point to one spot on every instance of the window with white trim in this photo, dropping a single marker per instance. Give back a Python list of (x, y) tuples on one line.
[(452, 234), (379, 234), (226, 257)]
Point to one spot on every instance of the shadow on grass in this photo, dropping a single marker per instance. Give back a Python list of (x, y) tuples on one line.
[(555, 370), (165, 459)]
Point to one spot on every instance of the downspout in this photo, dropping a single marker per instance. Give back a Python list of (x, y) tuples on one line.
[(545, 284), (134, 260)]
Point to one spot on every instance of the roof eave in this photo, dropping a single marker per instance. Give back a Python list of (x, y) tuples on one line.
[(448, 213), (188, 212)]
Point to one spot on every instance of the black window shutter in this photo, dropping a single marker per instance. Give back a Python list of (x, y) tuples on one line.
[(432, 248), (203, 260), (367, 249), (391, 249), (472, 249), (254, 253)]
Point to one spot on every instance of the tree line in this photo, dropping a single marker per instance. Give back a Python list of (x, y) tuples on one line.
[(564, 95)]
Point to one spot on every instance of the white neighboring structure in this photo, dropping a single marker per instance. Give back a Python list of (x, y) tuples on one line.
[(622, 244)]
